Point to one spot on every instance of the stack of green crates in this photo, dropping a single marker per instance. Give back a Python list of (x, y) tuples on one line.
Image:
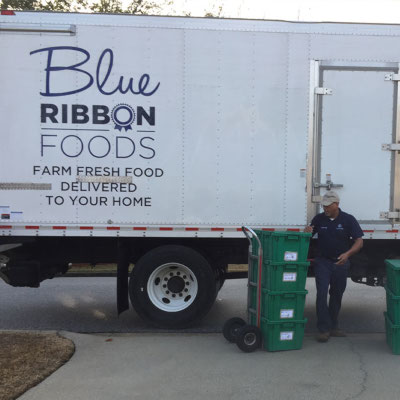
[(392, 316), (284, 273)]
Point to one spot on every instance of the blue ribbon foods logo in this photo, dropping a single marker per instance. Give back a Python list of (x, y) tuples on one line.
[(62, 121), (123, 117)]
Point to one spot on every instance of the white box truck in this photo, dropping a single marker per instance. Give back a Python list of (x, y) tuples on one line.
[(152, 140)]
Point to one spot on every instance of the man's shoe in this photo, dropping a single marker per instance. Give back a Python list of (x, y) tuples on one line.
[(323, 337), (338, 333)]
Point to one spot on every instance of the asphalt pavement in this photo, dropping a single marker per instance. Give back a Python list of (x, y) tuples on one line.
[(88, 305)]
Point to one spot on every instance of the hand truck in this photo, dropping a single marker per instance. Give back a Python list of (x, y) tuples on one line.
[(248, 337)]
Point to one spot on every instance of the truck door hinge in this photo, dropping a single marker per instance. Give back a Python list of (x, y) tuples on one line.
[(391, 146), (392, 77), (389, 215), (323, 91)]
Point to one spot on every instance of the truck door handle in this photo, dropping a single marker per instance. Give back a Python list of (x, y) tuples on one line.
[(328, 184)]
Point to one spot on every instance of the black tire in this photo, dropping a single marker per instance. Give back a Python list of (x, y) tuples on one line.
[(231, 328), (172, 287), (248, 338), (220, 277)]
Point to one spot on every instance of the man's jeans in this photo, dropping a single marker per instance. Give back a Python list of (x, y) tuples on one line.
[(332, 277)]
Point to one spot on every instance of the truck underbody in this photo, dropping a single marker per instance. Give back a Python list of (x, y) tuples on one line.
[(186, 265)]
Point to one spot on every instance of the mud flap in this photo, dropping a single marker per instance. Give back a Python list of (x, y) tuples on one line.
[(122, 277)]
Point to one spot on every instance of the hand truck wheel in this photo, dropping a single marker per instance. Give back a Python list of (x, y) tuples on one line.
[(231, 327), (248, 338)]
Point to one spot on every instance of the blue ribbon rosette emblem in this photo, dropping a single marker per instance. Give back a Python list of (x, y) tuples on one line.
[(123, 117)]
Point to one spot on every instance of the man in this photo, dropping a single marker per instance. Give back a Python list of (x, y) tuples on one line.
[(335, 230)]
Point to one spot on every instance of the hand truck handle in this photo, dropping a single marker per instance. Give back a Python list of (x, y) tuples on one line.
[(246, 230)]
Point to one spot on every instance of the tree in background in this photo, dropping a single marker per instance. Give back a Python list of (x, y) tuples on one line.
[(134, 7), (215, 12), (106, 6), (102, 6), (44, 5)]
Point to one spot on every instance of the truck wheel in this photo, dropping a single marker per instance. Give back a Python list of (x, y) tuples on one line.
[(172, 287), (220, 277), (231, 328), (248, 338)]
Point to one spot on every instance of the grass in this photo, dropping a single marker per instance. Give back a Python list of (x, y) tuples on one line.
[(28, 358)]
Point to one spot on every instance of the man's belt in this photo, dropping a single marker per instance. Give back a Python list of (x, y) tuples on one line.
[(330, 258)]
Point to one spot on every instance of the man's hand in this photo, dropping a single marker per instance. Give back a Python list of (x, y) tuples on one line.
[(342, 259), (358, 244), (309, 229)]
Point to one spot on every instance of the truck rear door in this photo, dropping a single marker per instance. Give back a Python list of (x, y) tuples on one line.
[(355, 122)]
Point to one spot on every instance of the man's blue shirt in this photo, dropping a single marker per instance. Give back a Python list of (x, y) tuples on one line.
[(334, 236)]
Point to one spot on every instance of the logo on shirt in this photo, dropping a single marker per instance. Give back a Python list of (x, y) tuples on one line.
[(340, 227)]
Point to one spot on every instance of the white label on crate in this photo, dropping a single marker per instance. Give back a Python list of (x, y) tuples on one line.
[(290, 256), (289, 276), (287, 313), (287, 335)]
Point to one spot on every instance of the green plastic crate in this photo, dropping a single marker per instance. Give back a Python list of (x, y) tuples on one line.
[(285, 277), (283, 246), (393, 306), (252, 319), (279, 335), (393, 276), (279, 306), (392, 335)]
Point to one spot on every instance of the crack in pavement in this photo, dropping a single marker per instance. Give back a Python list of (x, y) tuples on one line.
[(362, 368)]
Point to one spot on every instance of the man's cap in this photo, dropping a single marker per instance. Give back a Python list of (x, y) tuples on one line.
[(329, 198)]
